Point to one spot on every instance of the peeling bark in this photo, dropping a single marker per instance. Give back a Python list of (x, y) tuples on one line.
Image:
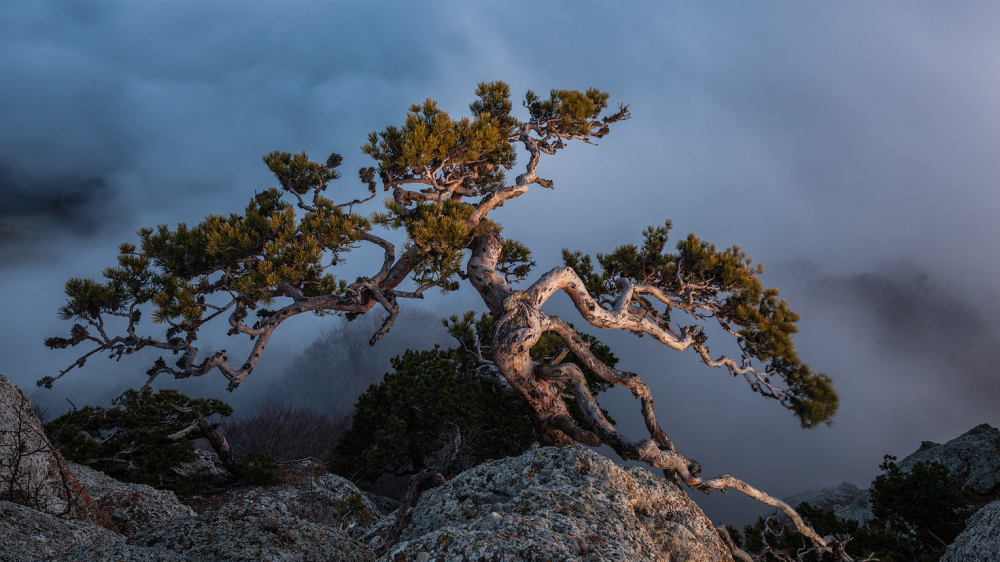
[(519, 323), (518, 319)]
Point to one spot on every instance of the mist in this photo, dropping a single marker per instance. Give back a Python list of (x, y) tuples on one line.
[(911, 360), (850, 147)]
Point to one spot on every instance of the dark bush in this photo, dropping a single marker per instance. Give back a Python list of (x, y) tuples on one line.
[(926, 503), (432, 409), (430, 398), (129, 440), (916, 515), (284, 431), (257, 468)]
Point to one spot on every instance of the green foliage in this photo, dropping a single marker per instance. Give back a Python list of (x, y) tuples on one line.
[(179, 270), (925, 503), (399, 423), (476, 150), (129, 440), (439, 232), (403, 421), (465, 158), (300, 175), (515, 261), (916, 514), (569, 112), (721, 284), (257, 468)]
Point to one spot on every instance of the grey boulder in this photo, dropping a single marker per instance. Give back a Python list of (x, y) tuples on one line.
[(251, 533), (567, 503), (32, 470), (973, 457), (312, 494), (28, 534), (131, 506), (980, 541)]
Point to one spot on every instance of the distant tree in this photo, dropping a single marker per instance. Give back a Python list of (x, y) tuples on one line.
[(916, 515), (330, 374), (924, 503), (446, 176)]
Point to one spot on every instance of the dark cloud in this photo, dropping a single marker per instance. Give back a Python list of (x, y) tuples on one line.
[(36, 210), (911, 359), (911, 311), (850, 134), (176, 127)]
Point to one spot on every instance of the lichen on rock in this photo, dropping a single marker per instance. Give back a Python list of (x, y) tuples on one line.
[(980, 540), (251, 533), (27, 534), (131, 506), (311, 493), (558, 503)]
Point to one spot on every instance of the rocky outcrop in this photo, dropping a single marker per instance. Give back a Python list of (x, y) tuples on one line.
[(119, 553), (551, 503), (32, 472), (251, 533), (846, 501), (548, 504), (131, 506), (980, 541), (973, 457), (311, 493), (206, 464), (27, 534)]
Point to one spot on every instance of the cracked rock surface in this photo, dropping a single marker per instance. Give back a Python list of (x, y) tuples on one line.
[(568, 503), (28, 534), (314, 495), (131, 506), (251, 533), (40, 472), (981, 538), (973, 457), (119, 553)]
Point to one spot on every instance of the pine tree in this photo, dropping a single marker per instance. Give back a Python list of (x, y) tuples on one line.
[(445, 176)]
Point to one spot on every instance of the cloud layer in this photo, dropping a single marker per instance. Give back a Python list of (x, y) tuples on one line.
[(847, 135)]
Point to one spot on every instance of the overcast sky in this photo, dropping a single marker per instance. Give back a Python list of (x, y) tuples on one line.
[(854, 148)]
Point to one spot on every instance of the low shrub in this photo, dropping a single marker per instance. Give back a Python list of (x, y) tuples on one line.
[(257, 468), (130, 440), (284, 431)]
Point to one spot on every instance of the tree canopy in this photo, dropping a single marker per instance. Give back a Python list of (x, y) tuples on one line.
[(445, 176)]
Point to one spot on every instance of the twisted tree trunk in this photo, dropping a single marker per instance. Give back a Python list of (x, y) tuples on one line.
[(518, 325)]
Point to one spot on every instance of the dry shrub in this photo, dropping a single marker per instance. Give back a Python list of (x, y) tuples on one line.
[(32, 472), (286, 431)]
